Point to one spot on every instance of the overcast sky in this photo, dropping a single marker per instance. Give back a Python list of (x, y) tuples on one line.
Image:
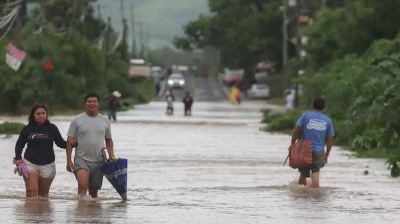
[(163, 19)]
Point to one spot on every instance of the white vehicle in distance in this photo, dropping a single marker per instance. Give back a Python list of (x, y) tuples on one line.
[(260, 91), (176, 81)]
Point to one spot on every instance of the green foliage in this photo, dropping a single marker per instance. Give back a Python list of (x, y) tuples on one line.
[(281, 122), (143, 91), (245, 31), (394, 163), (10, 128), (79, 65), (367, 140), (353, 61), (350, 29), (363, 94)]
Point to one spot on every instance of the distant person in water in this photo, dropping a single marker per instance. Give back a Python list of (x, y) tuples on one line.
[(289, 98), (187, 103), (112, 105), (170, 98)]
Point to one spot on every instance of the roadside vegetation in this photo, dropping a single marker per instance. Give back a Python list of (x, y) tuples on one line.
[(352, 60), (70, 41), (11, 128)]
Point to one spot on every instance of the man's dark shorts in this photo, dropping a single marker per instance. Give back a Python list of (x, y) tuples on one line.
[(96, 176), (317, 163)]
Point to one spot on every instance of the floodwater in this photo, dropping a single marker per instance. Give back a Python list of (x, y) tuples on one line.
[(213, 167)]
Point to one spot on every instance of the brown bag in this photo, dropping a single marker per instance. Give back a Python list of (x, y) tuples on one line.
[(300, 154)]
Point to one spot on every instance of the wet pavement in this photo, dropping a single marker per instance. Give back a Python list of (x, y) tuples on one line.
[(213, 167)]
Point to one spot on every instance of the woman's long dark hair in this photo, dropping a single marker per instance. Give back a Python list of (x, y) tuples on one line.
[(31, 118)]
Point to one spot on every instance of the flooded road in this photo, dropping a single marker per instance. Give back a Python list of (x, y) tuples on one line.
[(213, 167)]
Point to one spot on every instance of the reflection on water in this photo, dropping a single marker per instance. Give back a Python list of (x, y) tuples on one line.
[(67, 210), (88, 211), (35, 210), (217, 173), (308, 193), (88, 208)]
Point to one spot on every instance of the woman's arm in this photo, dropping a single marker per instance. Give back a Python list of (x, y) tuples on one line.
[(58, 139), (20, 144)]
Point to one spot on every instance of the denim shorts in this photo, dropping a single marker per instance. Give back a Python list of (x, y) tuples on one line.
[(45, 171), (317, 163), (96, 176)]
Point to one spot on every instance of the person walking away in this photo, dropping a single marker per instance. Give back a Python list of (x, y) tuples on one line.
[(234, 91), (238, 97), (157, 88), (316, 127), (112, 105), (92, 132), (235, 95), (289, 98), (170, 98), (39, 136), (187, 102)]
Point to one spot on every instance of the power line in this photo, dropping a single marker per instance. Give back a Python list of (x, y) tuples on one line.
[(11, 24)]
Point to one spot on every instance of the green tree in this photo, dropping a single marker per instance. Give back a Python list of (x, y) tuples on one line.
[(79, 65), (350, 29), (244, 31)]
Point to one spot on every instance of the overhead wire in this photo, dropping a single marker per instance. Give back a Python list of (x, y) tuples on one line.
[(7, 18), (11, 9), (12, 4), (11, 24)]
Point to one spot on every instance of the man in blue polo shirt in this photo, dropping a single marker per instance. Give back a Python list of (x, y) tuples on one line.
[(316, 127)]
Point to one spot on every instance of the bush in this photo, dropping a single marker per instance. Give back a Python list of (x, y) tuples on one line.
[(281, 122), (394, 163), (10, 128)]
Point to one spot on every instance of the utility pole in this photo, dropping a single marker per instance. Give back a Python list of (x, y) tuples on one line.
[(302, 13), (147, 43), (133, 31), (21, 16), (284, 41), (106, 46), (141, 40), (42, 14), (285, 34), (124, 39), (85, 8), (122, 11), (297, 34), (323, 3), (124, 32), (298, 50), (107, 35)]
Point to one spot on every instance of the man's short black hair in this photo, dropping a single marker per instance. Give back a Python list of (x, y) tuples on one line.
[(319, 103), (92, 95)]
